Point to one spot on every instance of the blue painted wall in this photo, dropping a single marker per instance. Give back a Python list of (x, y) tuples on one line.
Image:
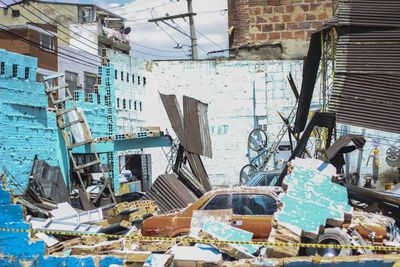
[(26, 127)]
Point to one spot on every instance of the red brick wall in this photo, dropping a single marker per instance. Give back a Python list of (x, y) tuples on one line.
[(262, 21)]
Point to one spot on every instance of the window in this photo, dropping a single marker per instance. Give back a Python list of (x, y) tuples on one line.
[(15, 70), (15, 13), (117, 102), (85, 14), (219, 202), (130, 104), (71, 78), (26, 73), (127, 77), (116, 74), (122, 75), (124, 103), (2, 68), (133, 78), (144, 81), (90, 81), (46, 41), (247, 204), (134, 105), (140, 106), (138, 80)]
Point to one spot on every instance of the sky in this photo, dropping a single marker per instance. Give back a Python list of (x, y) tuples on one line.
[(151, 41)]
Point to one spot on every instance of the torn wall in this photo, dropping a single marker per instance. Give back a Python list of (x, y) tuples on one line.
[(26, 127)]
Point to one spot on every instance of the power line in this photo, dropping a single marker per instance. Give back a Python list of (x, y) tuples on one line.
[(74, 33), (89, 30), (37, 25)]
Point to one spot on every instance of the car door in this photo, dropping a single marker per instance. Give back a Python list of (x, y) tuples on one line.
[(253, 213)]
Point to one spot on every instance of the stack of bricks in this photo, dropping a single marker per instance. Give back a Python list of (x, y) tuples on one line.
[(261, 21)]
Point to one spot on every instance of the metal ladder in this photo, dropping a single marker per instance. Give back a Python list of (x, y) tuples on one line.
[(68, 116), (278, 138)]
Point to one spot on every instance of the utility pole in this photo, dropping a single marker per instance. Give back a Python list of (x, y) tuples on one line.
[(192, 36), (193, 39)]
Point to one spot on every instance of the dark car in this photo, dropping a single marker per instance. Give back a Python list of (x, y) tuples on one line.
[(267, 178)]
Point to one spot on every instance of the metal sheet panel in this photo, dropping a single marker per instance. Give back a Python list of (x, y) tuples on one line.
[(365, 91), (195, 123), (369, 13), (169, 193), (175, 116)]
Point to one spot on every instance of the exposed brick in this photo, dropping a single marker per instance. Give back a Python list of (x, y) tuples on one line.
[(304, 25), (309, 1), (268, 10), (323, 16), (255, 10), (314, 6), (316, 24), (310, 17), (260, 20), (274, 36), (298, 34), (292, 26), (275, 19), (289, 9), (267, 28), (279, 27), (273, 2), (287, 35), (305, 7), (287, 18), (328, 5), (300, 17), (279, 9), (261, 36)]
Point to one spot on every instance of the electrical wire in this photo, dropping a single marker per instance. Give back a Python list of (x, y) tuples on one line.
[(91, 31), (74, 33)]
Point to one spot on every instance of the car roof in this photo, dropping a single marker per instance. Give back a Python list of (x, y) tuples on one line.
[(246, 189)]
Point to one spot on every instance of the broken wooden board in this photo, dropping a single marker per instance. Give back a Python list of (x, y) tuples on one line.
[(281, 234), (99, 248)]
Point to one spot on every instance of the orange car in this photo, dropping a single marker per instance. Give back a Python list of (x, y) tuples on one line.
[(252, 209)]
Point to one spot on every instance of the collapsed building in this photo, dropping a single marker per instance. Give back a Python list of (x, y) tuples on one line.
[(346, 220)]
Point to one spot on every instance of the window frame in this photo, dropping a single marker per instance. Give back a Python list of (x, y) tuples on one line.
[(253, 194), (203, 207), (42, 42)]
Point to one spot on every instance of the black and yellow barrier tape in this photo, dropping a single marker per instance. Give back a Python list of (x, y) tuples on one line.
[(137, 237)]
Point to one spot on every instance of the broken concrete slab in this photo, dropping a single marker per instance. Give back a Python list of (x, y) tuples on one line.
[(159, 260), (187, 256), (311, 200), (200, 217)]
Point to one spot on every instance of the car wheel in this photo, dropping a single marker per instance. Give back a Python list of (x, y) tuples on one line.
[(334, 236)]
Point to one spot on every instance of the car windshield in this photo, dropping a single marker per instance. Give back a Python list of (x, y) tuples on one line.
[(263, 179)]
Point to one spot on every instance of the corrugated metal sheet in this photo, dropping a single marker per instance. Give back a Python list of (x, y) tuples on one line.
[(195, 123), (169, 193), (369, 13), (197, 167), (175, 116), (367, 76)]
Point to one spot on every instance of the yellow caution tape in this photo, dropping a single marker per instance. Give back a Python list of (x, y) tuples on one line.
[(137, 237)]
